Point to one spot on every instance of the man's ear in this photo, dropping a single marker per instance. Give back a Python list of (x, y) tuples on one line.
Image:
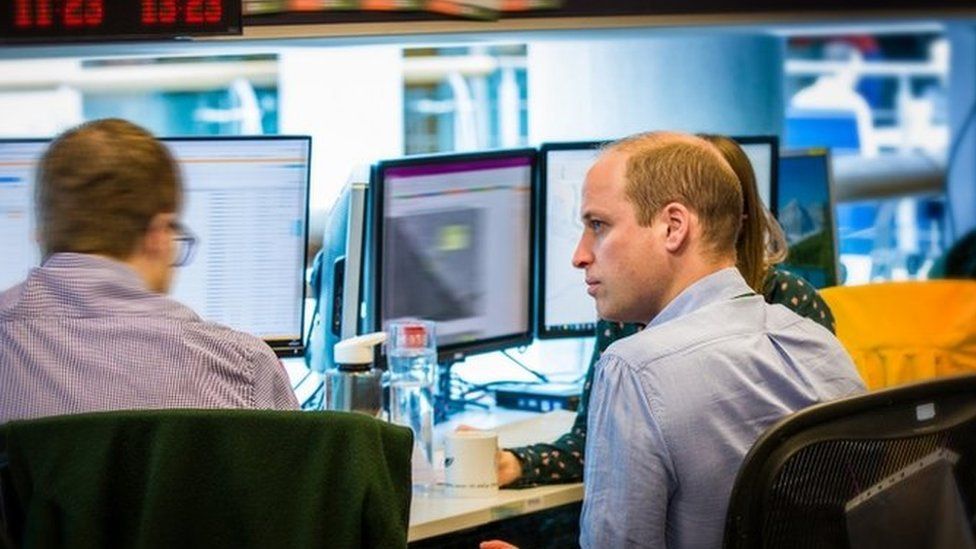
[(677, 219), (155, 241)]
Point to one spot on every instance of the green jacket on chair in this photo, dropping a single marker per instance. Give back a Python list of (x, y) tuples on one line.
[(210, 478)]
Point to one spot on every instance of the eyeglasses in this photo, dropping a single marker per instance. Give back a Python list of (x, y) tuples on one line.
[(187, 243)]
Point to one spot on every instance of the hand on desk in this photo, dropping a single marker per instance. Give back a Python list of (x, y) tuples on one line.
[(509, 468)]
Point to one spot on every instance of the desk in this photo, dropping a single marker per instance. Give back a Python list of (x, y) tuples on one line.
[(437, 514)]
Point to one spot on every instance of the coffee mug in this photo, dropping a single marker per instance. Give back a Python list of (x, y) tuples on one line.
[(470, 467)]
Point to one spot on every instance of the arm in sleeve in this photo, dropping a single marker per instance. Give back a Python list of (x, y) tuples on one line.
[(798, 295), (272, 388), (628, 469), (562, 460)]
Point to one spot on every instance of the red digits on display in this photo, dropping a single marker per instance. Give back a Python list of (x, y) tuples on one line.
[(194, 11), (87, 14), (214, 12), (149, 16), (74, 13), (200, 11), (22, 14), (43, 13), (168, 12)]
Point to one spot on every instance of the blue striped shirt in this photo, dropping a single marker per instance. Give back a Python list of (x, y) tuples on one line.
[(83, 334), (675, 408)]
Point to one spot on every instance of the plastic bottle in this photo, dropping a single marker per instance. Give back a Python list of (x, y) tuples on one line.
[(412, 365), (355, 385)]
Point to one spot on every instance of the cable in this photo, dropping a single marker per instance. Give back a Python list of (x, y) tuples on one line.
[(300, 381), (316, 399), (473, 388), (308, 335), (538, 375)]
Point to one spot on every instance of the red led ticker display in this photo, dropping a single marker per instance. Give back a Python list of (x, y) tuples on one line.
[(58, 20), (166, 12)]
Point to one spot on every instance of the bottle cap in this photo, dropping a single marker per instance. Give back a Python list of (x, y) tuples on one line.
[(413, 336), (359, 349)]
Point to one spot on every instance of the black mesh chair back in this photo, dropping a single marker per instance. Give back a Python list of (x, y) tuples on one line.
[(892, 468)]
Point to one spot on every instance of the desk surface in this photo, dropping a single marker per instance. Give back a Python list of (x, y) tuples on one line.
[(436, 514)]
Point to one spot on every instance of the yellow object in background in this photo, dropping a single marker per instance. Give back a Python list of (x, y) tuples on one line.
[(900, 332)]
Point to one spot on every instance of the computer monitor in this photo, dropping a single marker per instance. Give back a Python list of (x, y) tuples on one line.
[(806, 213), (18, 159), (245, 198), (338, 272), (452, 242), (763, 152), (564, 307)]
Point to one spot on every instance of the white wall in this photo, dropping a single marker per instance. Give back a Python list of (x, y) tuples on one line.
[(350, 100)]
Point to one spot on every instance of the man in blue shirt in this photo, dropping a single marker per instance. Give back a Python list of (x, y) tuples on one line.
[(675, 408)]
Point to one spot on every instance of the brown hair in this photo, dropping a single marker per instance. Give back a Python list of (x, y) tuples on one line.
[(761, 243), (99, 186), (667, 167)]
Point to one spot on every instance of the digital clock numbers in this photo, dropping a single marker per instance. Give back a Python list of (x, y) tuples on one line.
[(86, 20)]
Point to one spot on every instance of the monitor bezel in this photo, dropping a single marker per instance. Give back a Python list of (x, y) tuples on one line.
[(834, 277), (542, 330), (773, 142), (453, 352), (281, 347)]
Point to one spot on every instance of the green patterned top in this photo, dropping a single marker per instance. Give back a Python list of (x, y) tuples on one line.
[(562, 461)]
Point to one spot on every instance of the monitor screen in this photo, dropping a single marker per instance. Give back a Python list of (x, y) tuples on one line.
[(18, 159), (453, 244), (762, 152), (565, 309), (246, 199), (806, 213)]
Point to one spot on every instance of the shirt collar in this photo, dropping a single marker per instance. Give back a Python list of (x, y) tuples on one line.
[(72, 260), (718, 286)]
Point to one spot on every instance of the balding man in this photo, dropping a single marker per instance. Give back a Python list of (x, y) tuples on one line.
[(675, 408)]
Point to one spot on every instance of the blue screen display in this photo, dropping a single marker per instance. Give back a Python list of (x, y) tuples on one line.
[(805, 212)]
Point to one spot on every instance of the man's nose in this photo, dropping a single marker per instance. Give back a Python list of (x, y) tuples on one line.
[(582, 256)]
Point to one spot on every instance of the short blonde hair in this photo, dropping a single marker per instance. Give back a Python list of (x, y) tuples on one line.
[(665, 167), (99, 186)]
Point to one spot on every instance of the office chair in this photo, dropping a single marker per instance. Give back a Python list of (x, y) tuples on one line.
[(208, 478), (893, 468), (899, 332)]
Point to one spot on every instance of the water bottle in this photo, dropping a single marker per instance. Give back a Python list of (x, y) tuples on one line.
[(354, 384), (412, 366)]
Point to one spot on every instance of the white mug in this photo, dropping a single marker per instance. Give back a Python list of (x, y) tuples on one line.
[(470, 467)]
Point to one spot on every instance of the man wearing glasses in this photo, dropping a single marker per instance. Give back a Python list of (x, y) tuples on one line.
[(91, 329)]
